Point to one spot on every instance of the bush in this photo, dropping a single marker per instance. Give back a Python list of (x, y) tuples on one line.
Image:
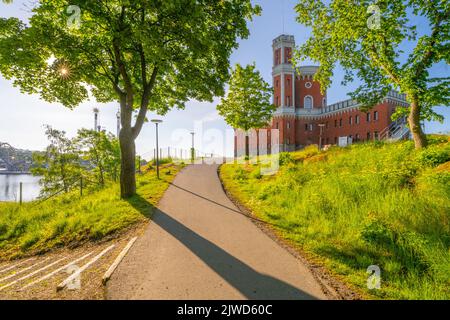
[(434, 155), (285, 158), (408, 247)]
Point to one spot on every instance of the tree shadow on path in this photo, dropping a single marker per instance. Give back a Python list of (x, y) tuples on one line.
[(248, 281)]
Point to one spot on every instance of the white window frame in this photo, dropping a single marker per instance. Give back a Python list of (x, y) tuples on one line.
[(312, 102)]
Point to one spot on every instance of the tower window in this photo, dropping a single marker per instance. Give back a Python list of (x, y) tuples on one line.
[(308, 101)]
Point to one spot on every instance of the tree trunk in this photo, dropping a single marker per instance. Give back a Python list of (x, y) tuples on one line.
[(247, 147), (128, 164), (420, 140)]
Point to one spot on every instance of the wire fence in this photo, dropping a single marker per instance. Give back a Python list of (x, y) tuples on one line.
[(80, 183), (176, 154)]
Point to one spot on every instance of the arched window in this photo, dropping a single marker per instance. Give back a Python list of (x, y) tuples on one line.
[(308, 102)]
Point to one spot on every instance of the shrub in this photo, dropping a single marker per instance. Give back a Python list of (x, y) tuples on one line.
[(434, 155), (285, 158), (407, 246), (256, 174)]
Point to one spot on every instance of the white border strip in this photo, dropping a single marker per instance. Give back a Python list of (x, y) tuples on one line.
[(116, 262), (15, 265), (77, 273), (22, 270), (57, 270), (32, 274)]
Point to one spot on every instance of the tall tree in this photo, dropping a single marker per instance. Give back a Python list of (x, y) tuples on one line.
[(59, 166), (102, 151), (247, 104), (147, 55), (369, 39)]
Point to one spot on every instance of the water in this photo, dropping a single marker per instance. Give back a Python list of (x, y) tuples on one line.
[(9, 187)]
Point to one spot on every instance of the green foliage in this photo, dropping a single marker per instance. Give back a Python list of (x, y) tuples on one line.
[(70, 220), (102, 151), (120, 44), (368, 39), (247, 104), (434, 155), (92, 155), (365, 204), (59, 166), (285, 158)]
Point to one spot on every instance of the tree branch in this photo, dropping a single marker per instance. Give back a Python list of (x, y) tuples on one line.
[(429, 54), (144, 103)]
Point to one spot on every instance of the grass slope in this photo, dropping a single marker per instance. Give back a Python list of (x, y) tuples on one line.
[(366, 204), (69, 220)]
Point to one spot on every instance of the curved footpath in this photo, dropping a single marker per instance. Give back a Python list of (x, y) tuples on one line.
[(198, 246)]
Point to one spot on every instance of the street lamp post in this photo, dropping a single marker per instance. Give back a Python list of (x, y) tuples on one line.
[(192, 148), (118, 123), (96, 111), (156, 122), (321, 125)]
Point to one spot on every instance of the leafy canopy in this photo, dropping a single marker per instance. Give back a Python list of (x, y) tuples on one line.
[(369, 39), (247, 104), (160, 52)]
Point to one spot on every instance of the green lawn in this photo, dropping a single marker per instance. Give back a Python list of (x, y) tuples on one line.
[(69, 220), (366, 204)]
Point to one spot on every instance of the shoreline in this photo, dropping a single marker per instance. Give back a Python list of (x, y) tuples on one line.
[(15, 172)]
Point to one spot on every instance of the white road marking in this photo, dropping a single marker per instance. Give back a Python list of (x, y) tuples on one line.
[(116, 262), (22, 270), (15, 265), (57, 271), (31, 274), (87, 265)]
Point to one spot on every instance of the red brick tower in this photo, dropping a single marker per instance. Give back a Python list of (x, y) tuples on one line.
[(283, 74), (309, 103)]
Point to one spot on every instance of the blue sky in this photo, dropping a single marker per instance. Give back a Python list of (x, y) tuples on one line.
[(22, 116)]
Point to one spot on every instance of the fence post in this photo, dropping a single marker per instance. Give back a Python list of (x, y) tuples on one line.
[(20, 192), (168, 152), (81, 186)]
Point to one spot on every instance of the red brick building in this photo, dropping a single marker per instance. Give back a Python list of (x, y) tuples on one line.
[(303, 116)]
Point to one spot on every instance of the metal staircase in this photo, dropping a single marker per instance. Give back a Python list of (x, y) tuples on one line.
[(397, 130)]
